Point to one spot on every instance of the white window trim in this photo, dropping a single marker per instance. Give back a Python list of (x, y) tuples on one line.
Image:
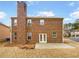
[(55, 35), (42, 40), (29, 21), (28, 35), (42, 21), (15, 22)]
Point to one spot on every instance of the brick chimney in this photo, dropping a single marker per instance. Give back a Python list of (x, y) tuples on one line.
[(21, 22)]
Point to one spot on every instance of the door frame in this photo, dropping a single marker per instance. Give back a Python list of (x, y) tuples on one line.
[(42, 37)]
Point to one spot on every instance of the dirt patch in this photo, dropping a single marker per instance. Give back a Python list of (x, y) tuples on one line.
[(27, 46), (21, 46)]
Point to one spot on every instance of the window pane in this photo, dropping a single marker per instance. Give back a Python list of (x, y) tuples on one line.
[(29, 35), (77, 35), (15, 22), (54, 35), (44, 37), (73, 35), (54, 32), (40, 37), (14, 35)]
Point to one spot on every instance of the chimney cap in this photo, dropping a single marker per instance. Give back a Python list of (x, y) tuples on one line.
[(21, 2)]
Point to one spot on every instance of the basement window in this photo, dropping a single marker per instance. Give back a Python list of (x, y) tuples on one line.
[(29, 35)]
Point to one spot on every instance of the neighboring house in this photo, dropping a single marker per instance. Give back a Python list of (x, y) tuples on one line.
[(67, 29), (4, 32), (75, 34), (68, 26), (67, 33), (35, 29)]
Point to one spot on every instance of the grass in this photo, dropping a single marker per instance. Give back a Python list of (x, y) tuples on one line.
[(15, 52)]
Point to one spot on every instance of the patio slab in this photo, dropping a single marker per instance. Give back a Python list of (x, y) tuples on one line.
[(52, 45)]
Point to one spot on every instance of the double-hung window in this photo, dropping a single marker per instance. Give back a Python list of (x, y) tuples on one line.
[(15, 22), (29, 22), (42, 22), (54, 35), (29, 35)]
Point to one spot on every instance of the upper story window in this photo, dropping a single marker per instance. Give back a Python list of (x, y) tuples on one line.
[(42, 22), (29, 22), (15, 22)]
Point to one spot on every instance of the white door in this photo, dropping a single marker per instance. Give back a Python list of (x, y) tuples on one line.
[(42, 38)]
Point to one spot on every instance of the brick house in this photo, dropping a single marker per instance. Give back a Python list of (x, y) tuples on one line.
[(4, 32), (35, 29)]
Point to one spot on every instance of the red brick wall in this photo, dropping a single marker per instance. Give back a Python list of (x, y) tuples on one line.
[(21, 22), (51, 24)]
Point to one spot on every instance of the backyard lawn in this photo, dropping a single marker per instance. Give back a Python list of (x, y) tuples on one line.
[(51, 53)]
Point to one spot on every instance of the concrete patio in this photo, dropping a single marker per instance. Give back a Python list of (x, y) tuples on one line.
[(52, 45)]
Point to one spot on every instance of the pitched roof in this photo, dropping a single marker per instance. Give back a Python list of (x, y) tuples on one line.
[(4, 25)]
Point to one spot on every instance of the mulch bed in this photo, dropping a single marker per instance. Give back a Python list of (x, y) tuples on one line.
[(21, 46), (27, 46)]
